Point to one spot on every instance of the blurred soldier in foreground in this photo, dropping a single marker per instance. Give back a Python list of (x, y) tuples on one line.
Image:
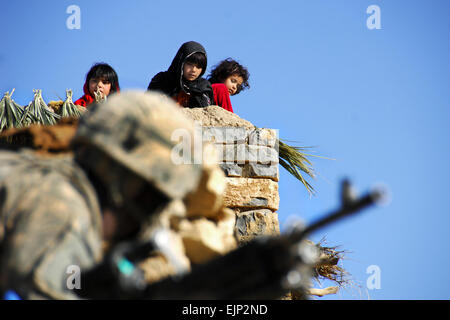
[(99, 209), (56, 211)]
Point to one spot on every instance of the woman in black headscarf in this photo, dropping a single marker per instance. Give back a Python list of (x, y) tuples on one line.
[(183, 80)]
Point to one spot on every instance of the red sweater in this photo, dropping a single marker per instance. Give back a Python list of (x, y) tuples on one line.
[(222, 96), (86, 99)]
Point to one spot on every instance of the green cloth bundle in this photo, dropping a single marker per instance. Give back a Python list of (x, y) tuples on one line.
[(69, 109), (37, 112), (11, 113)]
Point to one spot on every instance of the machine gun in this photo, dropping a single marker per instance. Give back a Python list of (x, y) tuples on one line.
[(265, 268)]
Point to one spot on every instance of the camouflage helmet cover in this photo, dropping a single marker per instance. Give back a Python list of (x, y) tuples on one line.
[(135, 129)]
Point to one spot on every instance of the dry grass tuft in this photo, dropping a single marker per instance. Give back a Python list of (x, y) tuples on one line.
[(328, 267)]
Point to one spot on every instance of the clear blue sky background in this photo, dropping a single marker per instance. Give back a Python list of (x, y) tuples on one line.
[(375, 100)]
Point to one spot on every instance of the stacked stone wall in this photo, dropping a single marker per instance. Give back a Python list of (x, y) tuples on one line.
[(249, 158)]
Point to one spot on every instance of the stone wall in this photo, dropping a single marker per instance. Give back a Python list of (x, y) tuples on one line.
[(249, 158)]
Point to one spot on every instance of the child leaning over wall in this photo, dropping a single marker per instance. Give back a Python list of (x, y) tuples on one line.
[(101, 77), (228, 77), (183, 80)]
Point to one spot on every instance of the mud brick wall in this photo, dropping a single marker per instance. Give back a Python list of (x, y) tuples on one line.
[(249, 159)]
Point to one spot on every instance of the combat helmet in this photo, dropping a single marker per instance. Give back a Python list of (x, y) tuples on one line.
[(135, 130)]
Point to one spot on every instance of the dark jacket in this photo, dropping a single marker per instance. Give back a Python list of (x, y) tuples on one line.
[(170, 82)]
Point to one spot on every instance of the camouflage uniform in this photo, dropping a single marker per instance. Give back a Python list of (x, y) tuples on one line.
[(50, 219), (50, 216)]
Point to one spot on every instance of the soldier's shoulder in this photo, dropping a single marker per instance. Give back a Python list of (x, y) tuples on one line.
[(49, 186), (28, 162), (25, 174)]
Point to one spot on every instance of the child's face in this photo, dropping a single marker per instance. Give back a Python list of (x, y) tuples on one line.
[(233, 82), (191, 71), (101, 84)]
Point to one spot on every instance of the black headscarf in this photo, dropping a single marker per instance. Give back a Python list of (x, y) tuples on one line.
[(171, 81)]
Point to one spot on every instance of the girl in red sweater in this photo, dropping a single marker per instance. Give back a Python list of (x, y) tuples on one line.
[(228, 78), (100, 77)]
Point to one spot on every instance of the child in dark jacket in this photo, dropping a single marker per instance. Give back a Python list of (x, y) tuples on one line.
[(183, 80), (101, 77), (228, 78)]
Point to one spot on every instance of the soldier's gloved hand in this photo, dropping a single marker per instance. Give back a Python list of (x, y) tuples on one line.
[(116, 277)]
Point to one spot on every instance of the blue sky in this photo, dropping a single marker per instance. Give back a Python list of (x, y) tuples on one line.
[(375, 100)]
